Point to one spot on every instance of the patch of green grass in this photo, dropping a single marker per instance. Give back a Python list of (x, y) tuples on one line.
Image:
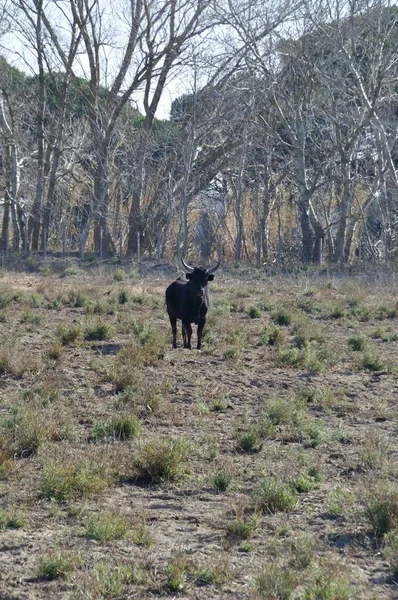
[(140, 299), (385, 312), (282, 316), (301, 548), (68, 334), (12, 518), (123, 296), (244, 528), (221, 306), (253, 312), (160, 460), (126, 370), (357, 342), (335, 311), (340, 502), (107, 580), (375, 451), (305, 334), (54, 351), (382, 508), (372, 361), (232, 353), (106, 526), (8, 297), (28, 316), (118, 427), (100, 308), (30, 426), (236, 341), (15, 362), (221, 480), (120, 275), (73, 479), (307, 480), (57, 565), (273, 495), (326, 584), (390, 551), (141, 534), (70, 272), (248, 441), (272, 336), (176, 576), (276, 582), (76, 298), (312, 357), (98, 331), (324, 397), (290, 420), (218, 405)]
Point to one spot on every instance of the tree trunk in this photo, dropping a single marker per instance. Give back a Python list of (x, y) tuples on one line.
[(4, 240), (35, 220), (307, 236)]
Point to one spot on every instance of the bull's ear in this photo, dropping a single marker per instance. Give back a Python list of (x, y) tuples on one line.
[(188, 275), (211, 277)]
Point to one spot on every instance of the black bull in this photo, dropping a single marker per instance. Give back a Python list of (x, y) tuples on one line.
[(189, 302)]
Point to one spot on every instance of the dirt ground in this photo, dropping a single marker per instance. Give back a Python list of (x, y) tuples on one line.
[(202, 530)]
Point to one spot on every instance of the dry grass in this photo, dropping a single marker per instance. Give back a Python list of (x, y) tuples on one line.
[(262, 467)]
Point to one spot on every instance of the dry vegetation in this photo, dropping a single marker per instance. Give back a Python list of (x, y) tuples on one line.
[(265, 466)]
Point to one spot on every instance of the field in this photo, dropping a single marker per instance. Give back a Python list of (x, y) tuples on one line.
[(263, 467)]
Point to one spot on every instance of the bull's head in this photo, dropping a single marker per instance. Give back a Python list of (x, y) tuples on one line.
[(200, 276)]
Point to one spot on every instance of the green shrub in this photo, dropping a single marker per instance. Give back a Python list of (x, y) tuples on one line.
[(119, 275), (282, 316), (77, 298), (98, 332), (244, 528), (123, 297), (221, 480), (57, 565), (336, 311), (276, 582), (11, 519), (68, 480), (161, 460), (248, 441), (391, 551), (271, 336), (307, 481), (273, 495), (325, 584), (253, 312), (357, 342), (106, 526), (118, 427), (372, 361), (382, 508), (68, 334), (176, 576)]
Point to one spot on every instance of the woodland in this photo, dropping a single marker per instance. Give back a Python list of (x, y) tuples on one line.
[(280, 141)]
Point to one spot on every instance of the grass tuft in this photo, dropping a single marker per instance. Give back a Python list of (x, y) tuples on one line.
[(273, 495), (106, 526), (160, 460)]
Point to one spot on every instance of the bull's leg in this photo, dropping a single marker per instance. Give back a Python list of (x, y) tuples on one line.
[(184, 335), (201, 325), (187, 329), (173, 322)]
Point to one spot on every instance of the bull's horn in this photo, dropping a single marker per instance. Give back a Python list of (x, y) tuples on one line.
[(187, 267), (212, 269)]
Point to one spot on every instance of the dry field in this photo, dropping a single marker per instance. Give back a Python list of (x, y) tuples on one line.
[(263, 467)]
